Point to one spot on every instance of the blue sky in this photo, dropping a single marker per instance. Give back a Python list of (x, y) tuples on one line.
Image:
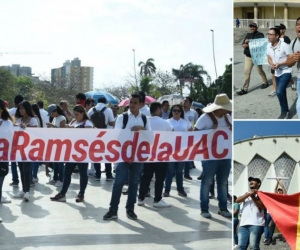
[(246, 129), (104, 33)]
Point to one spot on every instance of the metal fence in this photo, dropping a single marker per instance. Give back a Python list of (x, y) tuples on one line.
[(265, 23)]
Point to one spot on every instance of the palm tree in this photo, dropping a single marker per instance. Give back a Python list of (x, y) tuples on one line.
[(148, 68)]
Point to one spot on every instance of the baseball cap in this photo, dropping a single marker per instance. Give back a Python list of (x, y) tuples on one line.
[(254, 179), (253, 24), (281, 26), (51, 108)]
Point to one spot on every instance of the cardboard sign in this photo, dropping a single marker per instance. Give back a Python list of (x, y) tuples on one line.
[(258, 51)]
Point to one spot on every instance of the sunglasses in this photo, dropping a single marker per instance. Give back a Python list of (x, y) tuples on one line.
[(176, 110)]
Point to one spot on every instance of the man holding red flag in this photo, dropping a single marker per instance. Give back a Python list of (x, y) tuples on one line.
[(253, 217)]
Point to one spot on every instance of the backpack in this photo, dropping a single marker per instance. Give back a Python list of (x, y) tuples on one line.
[(125, 119), (215, 122), (98, 118)]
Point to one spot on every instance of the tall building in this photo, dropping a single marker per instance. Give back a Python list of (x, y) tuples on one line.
[(17, 70), (75, 75)]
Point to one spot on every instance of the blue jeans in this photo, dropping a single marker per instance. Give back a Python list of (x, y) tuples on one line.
[(251, 234), (281, 83), (174, 168), (82, 167), (34, 169), (122, 171), (220, 168), (268, 232), (187, 167), (14, 172), (298, 99), (235, 236)]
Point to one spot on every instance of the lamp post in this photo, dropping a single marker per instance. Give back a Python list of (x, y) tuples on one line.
[(213, 43), (134, 67)]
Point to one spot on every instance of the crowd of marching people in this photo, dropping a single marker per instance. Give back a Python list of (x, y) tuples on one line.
[(89, 113)]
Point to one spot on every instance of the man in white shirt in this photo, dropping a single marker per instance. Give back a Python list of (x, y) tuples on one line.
[(135, 122), (144, 108), (109, 120), (253, 217), (44, 113), (190, 115), (159, 168), (278, 52)]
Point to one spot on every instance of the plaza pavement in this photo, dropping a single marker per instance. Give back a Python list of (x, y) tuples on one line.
[(44, 224)]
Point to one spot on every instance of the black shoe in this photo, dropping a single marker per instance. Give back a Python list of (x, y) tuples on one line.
[(200, 177), (242, 92), (188, 177), (166, 194), (267, 242), (182, 193), (211, 196), (79, 198), (265, 85), (131, 215), (111, 214), (284, 115), (111, 178), (125, 192)]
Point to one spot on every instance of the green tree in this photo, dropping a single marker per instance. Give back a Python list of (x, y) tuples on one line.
[(148, 68), (7, 86), (25, 87)]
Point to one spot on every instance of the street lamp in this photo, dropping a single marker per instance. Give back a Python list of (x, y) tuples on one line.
[(213, 43), (134, 67)]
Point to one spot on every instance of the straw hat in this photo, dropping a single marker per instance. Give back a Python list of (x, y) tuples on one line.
[(221, 102)]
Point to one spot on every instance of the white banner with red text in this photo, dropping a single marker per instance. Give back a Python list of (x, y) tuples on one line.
[(112, 145)]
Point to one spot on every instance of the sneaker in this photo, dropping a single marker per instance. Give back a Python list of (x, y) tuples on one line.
[(293, 87), (131, 215), (236, 247), (211, 196), (267, 242), (188, 177), (52, 182), (32, 184), (264, 85), (79, 198), (242, 92), (166, 194), (284, 115), (19, 195), (111, 214), (225, 213), (205, 214), (14, 184), (161, 204), (58, 184), (182, 193), (26, 196), (58, 197), (4, 200), (140, 202), (272, 93), (35, 179), (111, 178)]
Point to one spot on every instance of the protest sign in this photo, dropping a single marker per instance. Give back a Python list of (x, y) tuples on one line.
[(258, 51)]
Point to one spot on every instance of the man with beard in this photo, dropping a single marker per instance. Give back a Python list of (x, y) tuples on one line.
[(253, 217)]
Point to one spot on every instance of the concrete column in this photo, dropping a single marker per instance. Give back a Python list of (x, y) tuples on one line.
[(285, 15), (255, 12)]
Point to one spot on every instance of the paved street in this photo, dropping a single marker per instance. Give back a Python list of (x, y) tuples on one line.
[(44, 224)]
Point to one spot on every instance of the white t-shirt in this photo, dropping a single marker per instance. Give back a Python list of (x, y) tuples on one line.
[(251, 214), (112, 127), (45, 117), (75, 124), (159, 124), (191, 116), (56, 120), (33, 122), (145, 110), (204, 122), (109, 116), (132, 121), (5, 124), (179, 125), (12, 111), (279, 54)]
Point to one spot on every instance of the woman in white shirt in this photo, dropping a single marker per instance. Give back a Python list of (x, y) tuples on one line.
[(59, 121), (176, 119), (25, 118), (6, 122), (81, 121)]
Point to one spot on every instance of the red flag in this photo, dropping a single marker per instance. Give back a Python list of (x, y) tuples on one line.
[(284, 210)]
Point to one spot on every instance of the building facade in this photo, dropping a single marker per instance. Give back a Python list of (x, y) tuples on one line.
[(17, 70), (266, 158), (73, 74), (266, 12)]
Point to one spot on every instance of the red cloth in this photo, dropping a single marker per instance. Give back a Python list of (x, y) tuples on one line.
[(284, 210)]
